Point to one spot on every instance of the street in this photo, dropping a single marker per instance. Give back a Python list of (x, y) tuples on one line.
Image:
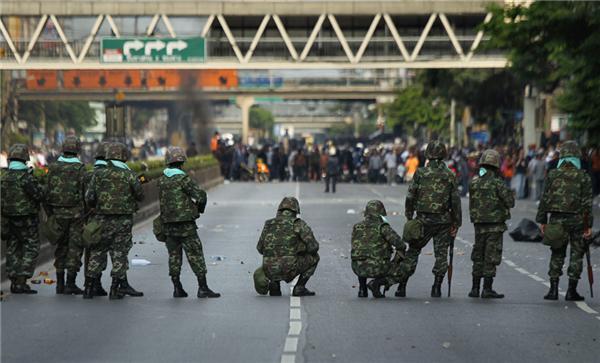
[(334, 325)]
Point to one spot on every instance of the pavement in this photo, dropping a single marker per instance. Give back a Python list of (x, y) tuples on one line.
[(334, 326)]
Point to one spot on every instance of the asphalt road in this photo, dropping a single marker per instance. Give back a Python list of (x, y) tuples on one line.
[(334, 326)]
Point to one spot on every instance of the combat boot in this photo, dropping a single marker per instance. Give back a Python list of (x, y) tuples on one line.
[(362, 287), (126, 289), (475, 289), (71, 288), (436, 289), (203, 289), (300, 288), (98, 289), (60, 281), (274, 288), (572, 294), (375, 287), (115, 291), (89, 285), (178, 290), (401, 291), (14, 285), (553, 292), (23, 288), (488, 292)]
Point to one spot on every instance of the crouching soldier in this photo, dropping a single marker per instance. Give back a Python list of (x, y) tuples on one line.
[(373, 243), (181, 202), (289, 249)]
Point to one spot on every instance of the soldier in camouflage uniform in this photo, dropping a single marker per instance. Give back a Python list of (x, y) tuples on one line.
[(181, 202), (113, 192), (490, 201), (21, 197), (433, 195), (289, 249), (373, 244), (568, 198), (66, 183)]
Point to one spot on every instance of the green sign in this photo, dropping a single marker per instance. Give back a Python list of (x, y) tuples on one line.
[(152, 50)]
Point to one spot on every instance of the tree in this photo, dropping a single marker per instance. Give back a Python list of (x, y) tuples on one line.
[(555, 46), (77, 115), (261, 119)]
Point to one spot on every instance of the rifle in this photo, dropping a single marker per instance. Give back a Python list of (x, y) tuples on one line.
[(450, 266), (590, 271)]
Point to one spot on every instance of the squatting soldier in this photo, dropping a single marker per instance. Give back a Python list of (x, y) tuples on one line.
[(568, 198), (66, 183), (289, 249), (113, 193), (490, 201), (181, 202), (373, 244), (433, 195), (21, 197)]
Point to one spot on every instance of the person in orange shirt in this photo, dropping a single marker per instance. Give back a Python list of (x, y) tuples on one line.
[(214, 142), (412, 163)]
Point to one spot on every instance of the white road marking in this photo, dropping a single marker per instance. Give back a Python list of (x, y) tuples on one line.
[(585, 307), (536, 278), (295, 328), (598, 317), (295, 301), (522, 270), (291, 345), (288, 358), (295, 314), (510, 263)]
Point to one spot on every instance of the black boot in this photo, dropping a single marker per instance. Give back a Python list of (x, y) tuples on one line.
[(553, 292), (274, 288), (126, 289), (362, 287), (475, 289), (436, 289), (71, 288), (572, 294), (401, 292), (98, 289), (375, 287), (488, 292), (14, 285), (115, 291), (178, 290), (21, 287), (60, 281), (89, 286), (300, 288), (204, 290)]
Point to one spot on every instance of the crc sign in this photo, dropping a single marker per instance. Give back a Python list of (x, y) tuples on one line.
[(152, 50)]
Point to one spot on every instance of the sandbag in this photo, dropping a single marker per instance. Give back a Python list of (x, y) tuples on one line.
[(526, 231)]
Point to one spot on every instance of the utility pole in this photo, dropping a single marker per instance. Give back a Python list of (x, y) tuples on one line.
[(452, 123)]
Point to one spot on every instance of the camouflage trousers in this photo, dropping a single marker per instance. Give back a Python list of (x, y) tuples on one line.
[(578, 250), (193, 250), (373, 268), (286, 268), (22, 245), (115, 240), (441, 242), (69, 248), (487, 253)]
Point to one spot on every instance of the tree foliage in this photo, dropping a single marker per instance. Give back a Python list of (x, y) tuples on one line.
[(261, 119), (77, 115), (413, 108)]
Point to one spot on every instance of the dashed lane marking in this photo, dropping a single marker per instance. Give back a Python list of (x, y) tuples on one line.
[(585, 307)]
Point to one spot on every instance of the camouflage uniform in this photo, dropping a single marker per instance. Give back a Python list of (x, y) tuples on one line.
[(373, 244), (21, 195), (490, 201), (113, 192), (289, 248), (568, 198), (66, 183)]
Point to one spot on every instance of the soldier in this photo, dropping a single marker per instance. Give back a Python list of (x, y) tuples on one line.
[(568, 198), (21, 197), (490, 201), (289, 249), (433, 194), (373, 243), (65, 183), (181, 202), (114, 192)]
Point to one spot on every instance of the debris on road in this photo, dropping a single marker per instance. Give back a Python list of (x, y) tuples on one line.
[(140, 262), (526, 231), (446, 345), (35, 281), (49, 281), (218, 258), (350, 211)]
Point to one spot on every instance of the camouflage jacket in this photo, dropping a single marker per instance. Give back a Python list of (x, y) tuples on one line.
[(180, 198), (114, 191), (21, 194), (373, 238), (286, 236), (433, 194), (568, 191), (490, 200), (66, 184)]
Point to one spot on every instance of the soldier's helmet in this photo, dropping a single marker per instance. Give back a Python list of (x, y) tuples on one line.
[(18, 152), (71, 145), (375, 208), (175, 154), (100, 153), (289, 203), (435, 150), (570, 149), (116, 151), (490, 157)]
